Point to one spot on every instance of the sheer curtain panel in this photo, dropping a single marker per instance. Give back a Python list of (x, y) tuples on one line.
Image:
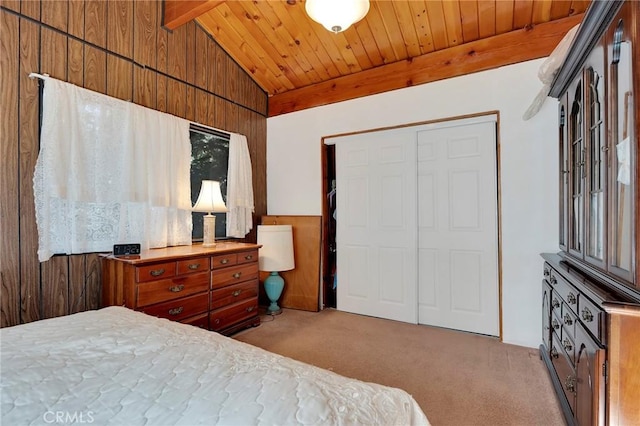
[(240, 204), (108, 172)]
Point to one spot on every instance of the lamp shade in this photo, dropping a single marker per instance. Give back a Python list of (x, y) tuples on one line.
[(210, 198), (276, 253), (336, 15)]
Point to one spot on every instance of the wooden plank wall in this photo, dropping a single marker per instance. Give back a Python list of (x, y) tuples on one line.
[(113, 47)]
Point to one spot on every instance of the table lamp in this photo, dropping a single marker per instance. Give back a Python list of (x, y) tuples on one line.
[(275, 255), (209, 201)]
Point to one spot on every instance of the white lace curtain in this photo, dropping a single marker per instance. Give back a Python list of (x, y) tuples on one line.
[(109, 172)]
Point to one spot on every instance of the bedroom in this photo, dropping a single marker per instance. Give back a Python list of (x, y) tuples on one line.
[(70, 41)]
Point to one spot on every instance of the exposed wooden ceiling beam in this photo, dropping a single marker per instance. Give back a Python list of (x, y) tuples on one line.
[(517, 46), (179, 12)]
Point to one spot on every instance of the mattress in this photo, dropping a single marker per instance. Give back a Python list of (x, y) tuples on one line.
[(117, 366)]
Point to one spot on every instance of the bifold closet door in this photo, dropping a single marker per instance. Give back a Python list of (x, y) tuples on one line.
[(458, 227), (376, 224)]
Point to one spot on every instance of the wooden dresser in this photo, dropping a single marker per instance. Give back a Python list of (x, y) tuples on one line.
[(212, 288), (591, 288)]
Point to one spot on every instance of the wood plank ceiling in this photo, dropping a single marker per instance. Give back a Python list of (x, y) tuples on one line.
[(399, 43)]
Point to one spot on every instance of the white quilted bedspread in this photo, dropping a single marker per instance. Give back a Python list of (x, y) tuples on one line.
[(117, 366)]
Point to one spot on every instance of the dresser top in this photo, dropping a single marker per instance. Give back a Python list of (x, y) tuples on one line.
[(182, 252)]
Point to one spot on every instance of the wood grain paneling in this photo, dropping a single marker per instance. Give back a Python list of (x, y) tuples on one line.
[(76, 18), (29, 145), (119, 78), (190, 104), (75, 65), (120, 29), (302, 284), (201, 106), (191, 52), (11, 4), (144, 32), (9, 203), (30, 9), (161, 46), (176, 97), (55, 287), (95, 69), (161, 93), (77, 284), (53, 54), (144, 83), (112, 49), (201, 45), (95, 19), (55, 13), (177, 57)]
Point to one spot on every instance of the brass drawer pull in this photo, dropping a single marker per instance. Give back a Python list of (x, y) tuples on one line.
[(571, 298), (176, 311), (193, 266), (237, 275), (554, 352), (236, 293), (248, 257), (250, 308), (567, 344), (217, 321), (224, 261), (567, 319), (555, 324), (570, 384), (156, 272), (553, 280), (555, 303), (546, 272), (587, 316), (176, 288)]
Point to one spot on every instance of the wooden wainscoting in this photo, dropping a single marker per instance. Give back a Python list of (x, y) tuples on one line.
[(302, 284)]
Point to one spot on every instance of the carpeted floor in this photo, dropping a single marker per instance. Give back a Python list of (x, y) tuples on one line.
[(457, 378)]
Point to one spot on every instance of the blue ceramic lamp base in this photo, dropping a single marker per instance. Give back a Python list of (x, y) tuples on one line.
[(273, 286)]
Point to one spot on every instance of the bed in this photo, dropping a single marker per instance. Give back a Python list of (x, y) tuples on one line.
[(118, 366)]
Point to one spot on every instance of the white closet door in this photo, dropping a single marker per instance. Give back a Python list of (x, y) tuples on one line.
[(457, 221), (376, 224)]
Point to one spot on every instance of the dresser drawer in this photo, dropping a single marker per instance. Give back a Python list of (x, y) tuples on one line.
[(193, 266), (564, 370), (568, 321), (156, 271), (592, 317), (201, 321), (248, 256), (223, 318), (233, 275), (233, 293), (163, 290), (223, 260), (567, 292), (179, 309)]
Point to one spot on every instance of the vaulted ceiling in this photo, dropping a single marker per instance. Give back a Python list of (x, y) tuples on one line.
[(399, 43)]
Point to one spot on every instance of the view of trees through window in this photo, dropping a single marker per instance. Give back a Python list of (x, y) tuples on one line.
[(209, 161)]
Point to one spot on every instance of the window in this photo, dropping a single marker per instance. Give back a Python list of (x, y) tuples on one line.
[(209, 160)]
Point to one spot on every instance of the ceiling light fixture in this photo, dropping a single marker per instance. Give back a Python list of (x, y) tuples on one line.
[(336, 15)]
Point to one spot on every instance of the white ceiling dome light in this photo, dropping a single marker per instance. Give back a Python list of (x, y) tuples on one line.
[(336, 15)]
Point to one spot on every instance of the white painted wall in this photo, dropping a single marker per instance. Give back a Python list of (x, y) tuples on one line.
[(528, 166)]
